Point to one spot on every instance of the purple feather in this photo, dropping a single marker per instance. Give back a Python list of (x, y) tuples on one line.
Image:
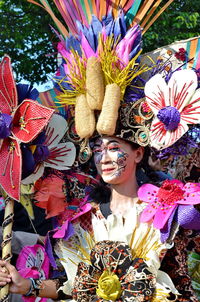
[(26, 91), (5, 125), (73, 43)]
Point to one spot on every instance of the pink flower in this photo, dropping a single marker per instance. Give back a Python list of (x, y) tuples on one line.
[(164, 200)]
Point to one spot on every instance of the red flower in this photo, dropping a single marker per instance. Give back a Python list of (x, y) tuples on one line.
[(26, 121), (181, 54), (50, 195)]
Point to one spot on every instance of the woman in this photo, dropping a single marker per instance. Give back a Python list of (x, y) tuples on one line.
[(118, 258), (116, 161)]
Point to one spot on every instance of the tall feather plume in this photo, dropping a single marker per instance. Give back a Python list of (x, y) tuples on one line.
[(92, 24), (45, 5), (140, 12)]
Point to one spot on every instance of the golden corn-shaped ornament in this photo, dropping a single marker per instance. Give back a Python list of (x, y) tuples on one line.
[(95, 87), (108, 117), (84, 118)]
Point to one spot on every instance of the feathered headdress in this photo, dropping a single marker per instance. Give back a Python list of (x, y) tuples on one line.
[(102, 76), (100, 51)]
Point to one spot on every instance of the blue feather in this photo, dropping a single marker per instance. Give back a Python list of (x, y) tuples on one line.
[(26, 91)]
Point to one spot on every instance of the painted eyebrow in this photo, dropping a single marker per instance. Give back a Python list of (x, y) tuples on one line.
[(110, 142)]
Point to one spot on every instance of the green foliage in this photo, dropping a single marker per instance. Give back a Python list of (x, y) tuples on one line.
[(180, 21), (27, 37)]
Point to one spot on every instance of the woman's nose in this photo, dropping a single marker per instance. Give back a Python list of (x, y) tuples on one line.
[(105, 157)]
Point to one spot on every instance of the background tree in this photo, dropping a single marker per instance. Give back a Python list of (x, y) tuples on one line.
[(26, 36), (180, 21)]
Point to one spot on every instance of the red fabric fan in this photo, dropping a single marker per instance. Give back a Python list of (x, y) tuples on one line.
[(17, 124)]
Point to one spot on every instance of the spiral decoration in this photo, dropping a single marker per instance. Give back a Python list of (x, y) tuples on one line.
[(6, 244)]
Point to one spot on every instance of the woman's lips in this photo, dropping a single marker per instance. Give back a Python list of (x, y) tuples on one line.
[(108, 170)]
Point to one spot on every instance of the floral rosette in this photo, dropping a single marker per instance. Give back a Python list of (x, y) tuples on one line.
[(175, 106), (173, 201), (113, 275)]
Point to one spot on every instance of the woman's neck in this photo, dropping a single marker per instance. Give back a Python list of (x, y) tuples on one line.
[(123, 196)]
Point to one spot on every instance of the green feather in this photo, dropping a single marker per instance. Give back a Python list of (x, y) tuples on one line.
[(132, 12)]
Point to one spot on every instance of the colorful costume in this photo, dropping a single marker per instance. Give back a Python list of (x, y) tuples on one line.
[(106, 88), (145, 241)]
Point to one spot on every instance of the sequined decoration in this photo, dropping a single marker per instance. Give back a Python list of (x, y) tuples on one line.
[(85, 152), (134, 122)]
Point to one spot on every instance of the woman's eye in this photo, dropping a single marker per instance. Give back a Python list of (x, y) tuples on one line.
[(113, 149)]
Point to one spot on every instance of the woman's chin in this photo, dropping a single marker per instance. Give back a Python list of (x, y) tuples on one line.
[(110, 179)]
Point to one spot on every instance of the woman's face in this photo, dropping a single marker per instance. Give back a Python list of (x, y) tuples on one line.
[(115, 159)]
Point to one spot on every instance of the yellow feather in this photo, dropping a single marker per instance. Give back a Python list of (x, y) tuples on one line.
[(77, 78), (25, 198), (112, 67)]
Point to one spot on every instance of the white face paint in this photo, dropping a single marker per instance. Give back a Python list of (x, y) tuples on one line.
[(114, 159)]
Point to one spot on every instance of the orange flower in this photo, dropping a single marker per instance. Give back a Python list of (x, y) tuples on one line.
[(50, 195)]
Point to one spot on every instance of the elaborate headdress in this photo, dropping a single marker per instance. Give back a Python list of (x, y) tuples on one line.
[(102, 75), (101, 81)]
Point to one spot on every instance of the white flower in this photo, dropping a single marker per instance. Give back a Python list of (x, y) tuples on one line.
[(61, 156), (175, 105)]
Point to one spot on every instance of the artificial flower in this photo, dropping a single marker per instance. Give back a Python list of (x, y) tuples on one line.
[(52, 190), (49, 152), (113, 275), (163, 201), (33, 262), (181, 54), (50, 195), (175, 105), (19, 123), (77, 188), (145, 244)]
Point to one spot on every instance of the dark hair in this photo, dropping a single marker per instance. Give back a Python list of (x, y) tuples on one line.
[(143, 168), (101, 193)]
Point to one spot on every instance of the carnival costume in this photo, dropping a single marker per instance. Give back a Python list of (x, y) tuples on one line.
[(107, 88)]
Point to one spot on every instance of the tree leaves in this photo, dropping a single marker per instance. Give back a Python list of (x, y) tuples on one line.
[(180, 21), (26, 36)]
